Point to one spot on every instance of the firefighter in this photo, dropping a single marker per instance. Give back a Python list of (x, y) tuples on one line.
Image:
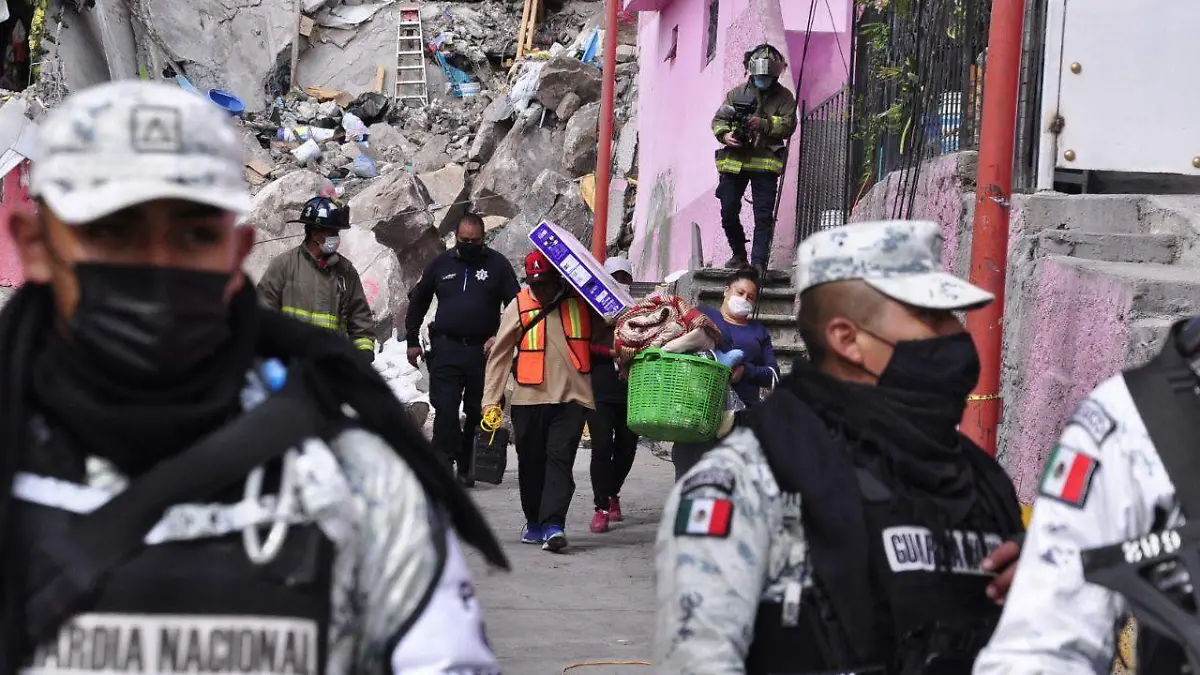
[(753, 125), (188, 491), (317, 285)]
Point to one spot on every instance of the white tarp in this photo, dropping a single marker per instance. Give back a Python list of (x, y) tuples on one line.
[(3, 11), (16, 135), (349, 16)]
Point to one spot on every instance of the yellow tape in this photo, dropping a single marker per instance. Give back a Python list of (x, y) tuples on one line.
[(493, 417)]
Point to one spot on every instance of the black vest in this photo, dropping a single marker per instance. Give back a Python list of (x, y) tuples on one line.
[(919, 613), (186, 606)]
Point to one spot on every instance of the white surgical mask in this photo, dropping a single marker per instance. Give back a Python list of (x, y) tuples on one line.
[(624, 287), (330, 246), (740, 307)]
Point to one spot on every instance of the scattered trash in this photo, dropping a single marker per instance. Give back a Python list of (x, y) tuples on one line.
[(349, 16), (364, 166), (356, 130), (461, 84), (591, 47), (232, 104), (308, 152), (323, 94), (299, 134), (370, 107), (187, 85), (526, 86)]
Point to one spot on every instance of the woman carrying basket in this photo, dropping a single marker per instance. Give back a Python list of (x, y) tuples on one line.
[(758, 368)]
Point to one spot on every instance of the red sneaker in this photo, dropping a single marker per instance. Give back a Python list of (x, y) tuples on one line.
[(599, 522), (614, 509)]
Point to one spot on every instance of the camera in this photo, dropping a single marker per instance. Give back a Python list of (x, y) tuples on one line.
[(739, 111)]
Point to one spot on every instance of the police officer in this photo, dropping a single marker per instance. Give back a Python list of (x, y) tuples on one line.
[(317, 285), (156, 419), (843, 529), (472, 284), (753, 124), (1107, 533)]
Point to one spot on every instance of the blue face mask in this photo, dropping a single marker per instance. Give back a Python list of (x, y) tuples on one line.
[(762, 81)]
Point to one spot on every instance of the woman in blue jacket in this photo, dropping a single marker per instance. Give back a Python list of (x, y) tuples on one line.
[(738, 331)]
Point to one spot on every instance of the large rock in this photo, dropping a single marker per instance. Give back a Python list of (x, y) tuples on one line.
[(351, 67), (382, 277), (579, 145), (625, 154), (447, 189), (487, 137), (432, 156), (527, 151), (274, 205), (568, 106), (563, 75), (235, 46), (393, 207), (554, 197), (383, 136)]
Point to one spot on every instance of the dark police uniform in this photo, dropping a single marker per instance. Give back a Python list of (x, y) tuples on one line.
[(470, 295)]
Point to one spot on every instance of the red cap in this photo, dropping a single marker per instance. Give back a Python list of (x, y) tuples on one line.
[(536, 264)]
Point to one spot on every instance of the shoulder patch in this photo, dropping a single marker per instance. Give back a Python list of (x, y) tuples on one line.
[(1068, 476), (704, 518), (1094, 419), (721, 479)]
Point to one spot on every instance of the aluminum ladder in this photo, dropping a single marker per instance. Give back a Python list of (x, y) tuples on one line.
[(411, 82)]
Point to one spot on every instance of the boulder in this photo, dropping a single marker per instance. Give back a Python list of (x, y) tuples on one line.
[(393, 207), (382, 277), (554, 197), (526, 151), (579, 145), (383, 136), (447, 190), (625, 154), (626, 53), (432, 156), (254, 150), (494, 223), (274, 205), (487, 137), (498, 110), (563, 75), (570, 104)]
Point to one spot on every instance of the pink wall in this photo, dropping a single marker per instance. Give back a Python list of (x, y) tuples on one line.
[(677, 173), (13, 196)]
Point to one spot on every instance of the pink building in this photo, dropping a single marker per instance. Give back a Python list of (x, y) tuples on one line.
[(690, 54), (13, 195)]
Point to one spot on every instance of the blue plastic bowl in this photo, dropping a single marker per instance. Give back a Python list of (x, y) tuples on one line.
[(232, 104)]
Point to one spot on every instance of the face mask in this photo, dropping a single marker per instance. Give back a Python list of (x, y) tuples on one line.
[(624, 287), (740, 307), (469, 250), (331, 244), (762, 81), (154, 323), (947, 366)]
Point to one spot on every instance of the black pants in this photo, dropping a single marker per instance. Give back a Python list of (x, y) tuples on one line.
[(455, 378), (613, 448), (730, 190), (547, 438)]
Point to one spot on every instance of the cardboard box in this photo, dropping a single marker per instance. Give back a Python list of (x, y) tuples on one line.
[(575, 262)]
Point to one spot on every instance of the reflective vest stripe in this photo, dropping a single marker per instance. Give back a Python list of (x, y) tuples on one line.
[(365, 343), (322, 320), (734, 165), (531, 356)]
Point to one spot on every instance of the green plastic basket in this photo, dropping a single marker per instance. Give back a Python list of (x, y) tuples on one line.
[(676, 397)]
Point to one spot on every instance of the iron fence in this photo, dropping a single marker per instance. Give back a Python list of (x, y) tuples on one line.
[(822, 200)]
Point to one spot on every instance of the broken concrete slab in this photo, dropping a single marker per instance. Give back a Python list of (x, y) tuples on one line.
[(393, 207), (272, 208), (503, 183), (432, 156), (580, 140), (562, 75), (625, 154), (487, 137), (447, 190), (351, 65)]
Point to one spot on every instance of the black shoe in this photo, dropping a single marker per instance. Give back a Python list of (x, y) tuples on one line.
[(761, 270), (737, 262)]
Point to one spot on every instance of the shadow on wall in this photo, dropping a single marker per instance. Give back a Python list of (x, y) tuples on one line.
[(655, 255)]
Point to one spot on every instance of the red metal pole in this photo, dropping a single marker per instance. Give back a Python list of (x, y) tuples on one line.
[(604, 151), (989, 240)]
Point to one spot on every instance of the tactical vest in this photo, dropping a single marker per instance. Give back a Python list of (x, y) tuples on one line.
[(531, 349), (927, 621), (186, 605)]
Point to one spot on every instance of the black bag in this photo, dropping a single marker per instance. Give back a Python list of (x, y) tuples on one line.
[(490, 457)]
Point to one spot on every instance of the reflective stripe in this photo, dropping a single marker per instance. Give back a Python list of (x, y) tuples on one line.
[(573, 311), (365, 343), (533, 337), (731, 164), (323, 320)]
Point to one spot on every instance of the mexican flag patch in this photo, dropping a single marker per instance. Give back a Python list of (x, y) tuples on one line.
[(1069, 476), (704, 517)]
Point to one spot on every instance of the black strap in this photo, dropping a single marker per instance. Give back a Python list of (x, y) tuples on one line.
[(96, 543), (541, 315), (1164, 392)]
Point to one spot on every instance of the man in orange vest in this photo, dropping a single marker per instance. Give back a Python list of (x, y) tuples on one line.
[(549, 328)]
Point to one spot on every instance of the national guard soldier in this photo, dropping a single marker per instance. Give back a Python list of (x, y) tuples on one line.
[(156, 420), (1108, 533), (844, 528)]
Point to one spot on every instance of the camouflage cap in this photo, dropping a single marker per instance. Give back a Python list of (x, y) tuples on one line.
[(899, 258)]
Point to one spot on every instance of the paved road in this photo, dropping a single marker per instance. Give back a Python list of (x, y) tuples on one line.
[(595, 601)]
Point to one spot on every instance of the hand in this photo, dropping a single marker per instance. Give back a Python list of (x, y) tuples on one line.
[(487, 346), (1002, 561), (414, 353), (756, 123), (368, 354), (729, 140), (738, 372), (490, 407)]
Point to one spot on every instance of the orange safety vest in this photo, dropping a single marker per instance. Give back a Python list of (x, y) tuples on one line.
[(531, 350)]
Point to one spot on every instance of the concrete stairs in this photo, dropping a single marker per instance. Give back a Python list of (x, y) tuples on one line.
[(777, 305)]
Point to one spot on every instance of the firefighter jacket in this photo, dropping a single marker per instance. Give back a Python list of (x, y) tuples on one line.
[(776, 106), (326, 293)]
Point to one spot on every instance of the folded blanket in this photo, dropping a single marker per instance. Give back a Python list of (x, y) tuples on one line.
[(656, 321)]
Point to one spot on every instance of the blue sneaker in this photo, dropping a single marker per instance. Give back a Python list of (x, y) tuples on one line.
[(532, 533), (556, 539)]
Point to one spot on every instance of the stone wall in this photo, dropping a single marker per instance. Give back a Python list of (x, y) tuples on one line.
[(1094, 282)]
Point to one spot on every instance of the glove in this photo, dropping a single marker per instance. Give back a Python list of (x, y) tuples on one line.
[(756, 123)]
